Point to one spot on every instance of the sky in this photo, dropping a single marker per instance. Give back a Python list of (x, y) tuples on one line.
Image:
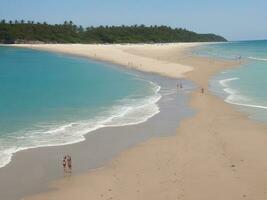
[(233, 19)]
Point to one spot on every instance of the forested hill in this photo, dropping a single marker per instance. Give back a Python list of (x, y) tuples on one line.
[(31, 32)]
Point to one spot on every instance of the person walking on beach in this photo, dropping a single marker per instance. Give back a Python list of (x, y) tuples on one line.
[(64, 162), (69, 162), (202, 90), (239, 58), (179, 86)]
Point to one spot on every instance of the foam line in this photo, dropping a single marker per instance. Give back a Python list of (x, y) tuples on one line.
[(233, 95), (128, 112), (259, 59)]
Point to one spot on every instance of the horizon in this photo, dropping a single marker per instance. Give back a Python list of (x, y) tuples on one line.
[(236, 21)]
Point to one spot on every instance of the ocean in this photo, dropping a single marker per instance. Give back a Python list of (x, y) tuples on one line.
[(244, 86), (49, 99)]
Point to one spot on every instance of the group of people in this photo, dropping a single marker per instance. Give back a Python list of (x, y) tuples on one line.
[(67, 164), (180, 86)]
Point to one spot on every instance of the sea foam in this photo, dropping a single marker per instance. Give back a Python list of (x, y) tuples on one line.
[(129, 111), (259, 59), (234, 96)]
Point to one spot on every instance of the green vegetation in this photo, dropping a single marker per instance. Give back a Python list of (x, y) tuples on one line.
[(30, 32)]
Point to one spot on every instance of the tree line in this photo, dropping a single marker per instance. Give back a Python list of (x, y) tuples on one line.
[(35, 32)]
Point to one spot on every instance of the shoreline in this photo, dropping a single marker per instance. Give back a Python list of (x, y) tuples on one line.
[(230, 170), (121, 56), (144, 103)]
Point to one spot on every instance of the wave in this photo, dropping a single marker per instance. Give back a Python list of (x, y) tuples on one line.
[(225, 81), (234, 97), (259, 59), (249, 105), (130, 111)]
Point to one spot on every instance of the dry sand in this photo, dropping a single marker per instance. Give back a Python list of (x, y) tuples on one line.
[(219, 154), (119, 54)]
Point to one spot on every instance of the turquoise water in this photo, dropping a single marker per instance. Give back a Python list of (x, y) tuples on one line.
[(245, 86), (51, 99)]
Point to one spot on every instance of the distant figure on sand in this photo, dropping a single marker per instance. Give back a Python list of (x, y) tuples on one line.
[(239, 58), (202, 90), (69, 162), (179, 85), (64, 162)]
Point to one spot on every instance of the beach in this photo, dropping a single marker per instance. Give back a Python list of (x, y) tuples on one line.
[(122, 55), (215, 153)]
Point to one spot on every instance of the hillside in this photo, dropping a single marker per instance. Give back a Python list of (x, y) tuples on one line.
[(30, 32)]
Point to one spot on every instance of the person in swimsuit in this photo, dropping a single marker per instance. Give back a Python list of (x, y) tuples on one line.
[(69, 163), (64, 163)]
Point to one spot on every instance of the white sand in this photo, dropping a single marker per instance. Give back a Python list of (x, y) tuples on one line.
[(119, 54)]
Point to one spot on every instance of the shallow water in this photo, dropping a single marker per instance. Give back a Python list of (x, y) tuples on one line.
[(51, 99), (39, 166), (245, 86)]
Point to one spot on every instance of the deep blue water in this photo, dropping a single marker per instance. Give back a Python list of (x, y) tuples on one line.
[(52, 99), (245, 86)]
